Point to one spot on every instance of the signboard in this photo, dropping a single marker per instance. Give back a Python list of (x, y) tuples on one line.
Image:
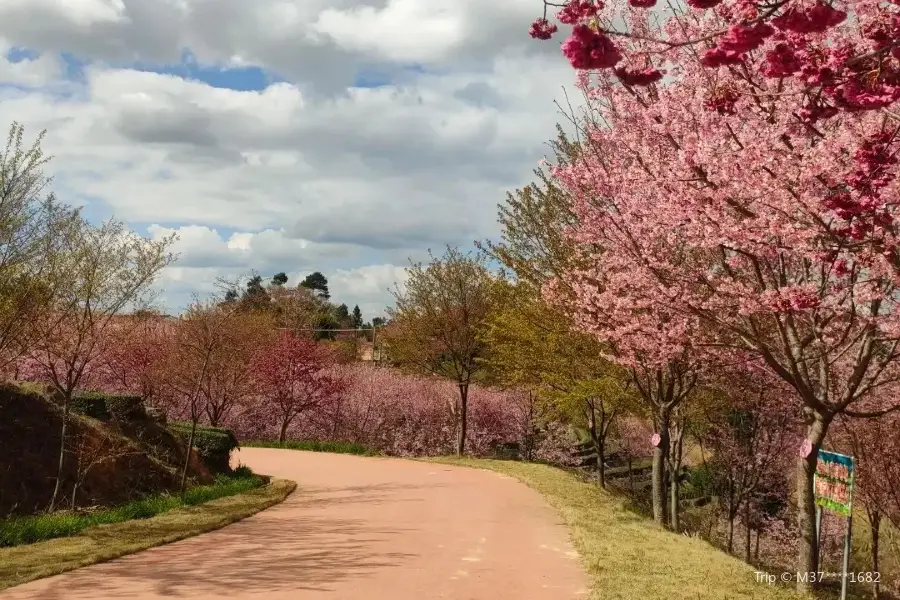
[(834, 482)]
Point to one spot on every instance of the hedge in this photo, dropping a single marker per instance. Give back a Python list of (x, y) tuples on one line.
[(91, 404), (107, 406), (213, 444)]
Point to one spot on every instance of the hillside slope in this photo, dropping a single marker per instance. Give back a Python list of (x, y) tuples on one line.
[(107, 462)]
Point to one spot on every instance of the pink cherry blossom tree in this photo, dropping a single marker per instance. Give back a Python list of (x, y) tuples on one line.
[(828, 57), (874, 445), (721, 223), (750, 430), (655, 345), (294, 376)]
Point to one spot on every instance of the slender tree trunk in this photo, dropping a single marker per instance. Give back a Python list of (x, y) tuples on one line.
[(282, 434), (730, 532), (875, 522), (63, 432), (808, 558), (601, 461), (658, 481), (675, 503), (675, 447), (756, 548), (462, 418), (187, 455), (747, 555), (597, 441)]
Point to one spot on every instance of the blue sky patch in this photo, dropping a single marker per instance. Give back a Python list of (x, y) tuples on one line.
[(15, 55), (245, 79)]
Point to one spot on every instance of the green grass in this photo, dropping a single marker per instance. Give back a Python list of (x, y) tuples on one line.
[(27, 562), (312, 446), (15, 531), (626, 555)]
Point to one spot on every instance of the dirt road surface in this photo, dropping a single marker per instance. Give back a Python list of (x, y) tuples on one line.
[(356, 528)]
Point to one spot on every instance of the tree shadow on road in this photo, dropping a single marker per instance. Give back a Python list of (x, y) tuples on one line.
[(275, 551)]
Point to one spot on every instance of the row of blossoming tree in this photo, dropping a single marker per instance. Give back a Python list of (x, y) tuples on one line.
[(732, 207)]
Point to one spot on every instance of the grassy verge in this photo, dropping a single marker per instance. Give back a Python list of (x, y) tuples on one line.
[(36, 528), (627, 556), (311, 446), (20, 564)]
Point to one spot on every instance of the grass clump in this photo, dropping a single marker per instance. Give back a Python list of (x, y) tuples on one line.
[(314, 446), (28, 562), (628, 556), (15, 531)]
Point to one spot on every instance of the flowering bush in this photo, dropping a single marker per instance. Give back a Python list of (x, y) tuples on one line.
[(397, 414)]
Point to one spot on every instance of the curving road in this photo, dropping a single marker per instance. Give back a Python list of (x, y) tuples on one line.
[(356, 528)]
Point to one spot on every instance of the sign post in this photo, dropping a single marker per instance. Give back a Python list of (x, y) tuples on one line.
[(833, 484)]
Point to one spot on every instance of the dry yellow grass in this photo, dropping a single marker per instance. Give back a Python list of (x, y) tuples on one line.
[(628, 557), (20, 564)]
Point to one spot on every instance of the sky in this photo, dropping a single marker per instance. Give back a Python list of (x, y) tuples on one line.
[(340, 136)]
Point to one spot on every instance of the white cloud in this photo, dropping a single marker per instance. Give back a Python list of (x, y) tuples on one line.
[(29, 72), (311, 173)]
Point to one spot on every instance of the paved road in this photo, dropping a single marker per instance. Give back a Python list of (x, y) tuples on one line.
[(356, 528)]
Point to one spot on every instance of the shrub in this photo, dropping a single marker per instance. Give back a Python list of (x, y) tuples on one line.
[(701, 482), (92, 404), (125, 408), (213, 444), (105, 406), (315, 446)]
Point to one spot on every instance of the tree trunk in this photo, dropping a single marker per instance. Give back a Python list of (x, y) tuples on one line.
[(730, 533), (660, 455), (462, 418), (749, 531), (597, 441), (187, 456), (630, 476), (808, 558), (63, 432), (675, 448), (601, 461), (756, 548), (875, 522), (282, 434), (675, 507)]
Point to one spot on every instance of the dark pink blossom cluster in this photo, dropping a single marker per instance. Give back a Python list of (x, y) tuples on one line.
[(638, 77), (812, 20), (723, 100), (859, 199), (576, 11), (846, 57), (781, 61), (590, 49), (795, 300), (739, 40), (542, 29), (703, 4)]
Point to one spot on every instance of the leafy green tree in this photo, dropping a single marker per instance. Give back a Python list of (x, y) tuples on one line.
[(356, 317), (438, 321), (255, 296), (280, 279), (98, 272), (532, 345), (32, 223), (318, 283), (533, 222), (342, 314)]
